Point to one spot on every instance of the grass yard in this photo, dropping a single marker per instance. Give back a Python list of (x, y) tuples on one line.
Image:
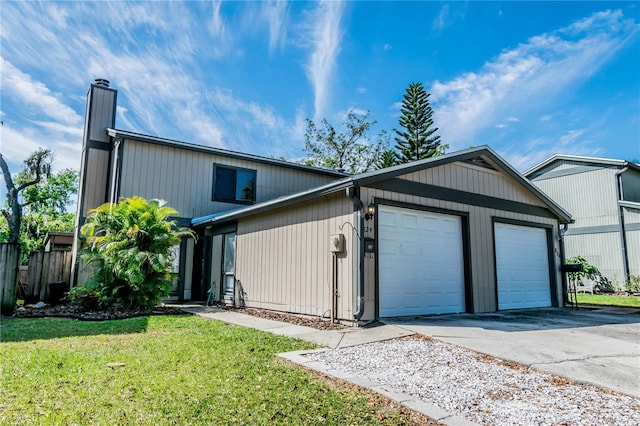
[(609, 300), (167, 370)]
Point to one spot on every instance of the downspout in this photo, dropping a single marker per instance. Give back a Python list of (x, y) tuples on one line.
[(565, 288), (353, 193), (623, 230)]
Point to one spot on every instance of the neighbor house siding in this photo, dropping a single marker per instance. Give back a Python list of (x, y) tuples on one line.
[(284, 262), (184, 178), (478, 181), (590, 197), (632, 221), (602, 250)]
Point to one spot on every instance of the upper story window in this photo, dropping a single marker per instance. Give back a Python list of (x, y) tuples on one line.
[(233, 184)]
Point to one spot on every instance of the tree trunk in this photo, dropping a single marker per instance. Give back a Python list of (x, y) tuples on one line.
[(9, 266)]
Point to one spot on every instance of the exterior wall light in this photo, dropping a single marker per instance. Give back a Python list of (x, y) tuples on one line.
[(370, 211)]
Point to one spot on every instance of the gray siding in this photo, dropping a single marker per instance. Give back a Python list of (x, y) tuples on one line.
[(284, 262), (95, 181), (102, 113), (591, 198), (603, 250), (479, 181), (632, 220), (185, 178)]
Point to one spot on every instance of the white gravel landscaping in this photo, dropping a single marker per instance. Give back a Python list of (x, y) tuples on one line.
[(480, 388)]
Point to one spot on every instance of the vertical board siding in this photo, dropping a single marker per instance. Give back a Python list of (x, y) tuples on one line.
[(590, 197), (185, 178), (482, 264), (604, 251), (102, 110), (474, 179), (284, 262), (632, 220), (95, 190)]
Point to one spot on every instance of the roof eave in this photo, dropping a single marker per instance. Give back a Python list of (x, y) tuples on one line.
[(220, 151)]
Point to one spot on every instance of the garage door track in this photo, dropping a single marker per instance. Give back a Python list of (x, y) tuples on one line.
[(601, 347)]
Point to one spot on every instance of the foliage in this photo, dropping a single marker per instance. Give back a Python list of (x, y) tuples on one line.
[(588, 270), (41, 204), (51, 196), (350, 150), (386, 159), (130, 244), (168, 370), (34, 228), (602, 283), (416, 141), (633, 284), (36, 168), (86, 296)]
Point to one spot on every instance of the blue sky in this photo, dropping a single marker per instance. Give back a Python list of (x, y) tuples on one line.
[(530, 79)]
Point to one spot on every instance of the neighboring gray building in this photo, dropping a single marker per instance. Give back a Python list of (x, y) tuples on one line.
[(464, 232), (603, 196)]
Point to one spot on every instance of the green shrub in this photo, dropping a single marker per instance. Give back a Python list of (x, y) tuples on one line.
[(130, 245), (87, 296), (602, 283), (633, 284)]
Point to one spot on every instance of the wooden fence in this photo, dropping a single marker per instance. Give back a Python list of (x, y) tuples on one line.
[(9, 261), (46, 268)]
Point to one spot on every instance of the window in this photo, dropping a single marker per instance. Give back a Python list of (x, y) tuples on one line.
[(234, 185)]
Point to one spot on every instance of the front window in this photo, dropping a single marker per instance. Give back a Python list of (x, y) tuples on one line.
[(234, 185)]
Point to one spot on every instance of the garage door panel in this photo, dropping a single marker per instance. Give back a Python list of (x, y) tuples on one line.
[(420, 262), (522, 265)]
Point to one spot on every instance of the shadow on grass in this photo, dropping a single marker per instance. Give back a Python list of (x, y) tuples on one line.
[(26, 329)]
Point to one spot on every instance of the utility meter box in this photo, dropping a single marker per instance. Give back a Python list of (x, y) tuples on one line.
[(336, 243)]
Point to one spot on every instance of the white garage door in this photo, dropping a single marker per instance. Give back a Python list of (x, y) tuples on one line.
[(522, 263), (421, 269)]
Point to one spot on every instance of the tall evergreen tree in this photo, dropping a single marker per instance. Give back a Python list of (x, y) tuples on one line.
[(416, 140), (387, 159)]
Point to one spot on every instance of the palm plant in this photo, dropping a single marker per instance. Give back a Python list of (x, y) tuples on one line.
[(129, 243)]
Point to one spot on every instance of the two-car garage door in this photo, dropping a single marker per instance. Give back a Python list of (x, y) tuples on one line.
[(421, 268), (421, 264)]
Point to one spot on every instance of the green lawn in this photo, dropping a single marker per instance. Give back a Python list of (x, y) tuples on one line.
[(166, 370), (608, 300)]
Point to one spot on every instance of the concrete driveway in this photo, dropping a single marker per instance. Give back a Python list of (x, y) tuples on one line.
[(601, 347)]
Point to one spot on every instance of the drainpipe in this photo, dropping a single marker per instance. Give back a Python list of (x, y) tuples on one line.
[(353, 193), (565, 288), (623, 231)]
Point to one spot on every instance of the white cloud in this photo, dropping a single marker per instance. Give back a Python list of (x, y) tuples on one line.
[(387, 46), (275, 14), (442, 20), (35, 94), (361, 90), (527, 77), (324, 35), (513, 119), (501, 126), (535, 150)]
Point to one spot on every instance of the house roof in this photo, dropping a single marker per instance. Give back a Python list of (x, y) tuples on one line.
[(125, 134), (372, 177), (582, 160)]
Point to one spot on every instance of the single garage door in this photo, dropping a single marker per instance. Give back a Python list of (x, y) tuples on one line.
[(522, 263), (421, 268)]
